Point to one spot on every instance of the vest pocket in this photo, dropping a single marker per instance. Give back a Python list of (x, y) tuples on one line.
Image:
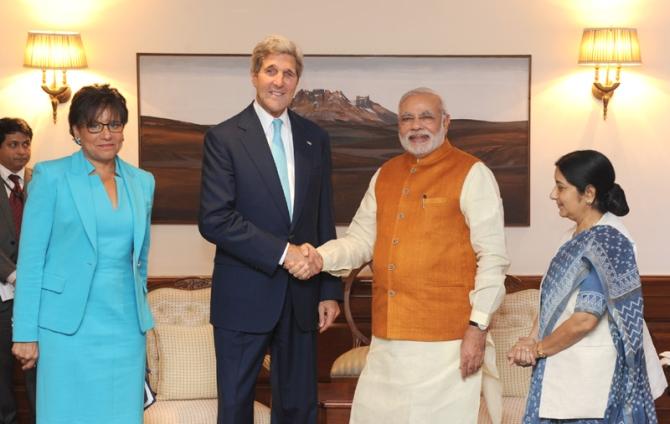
[(434, 201)]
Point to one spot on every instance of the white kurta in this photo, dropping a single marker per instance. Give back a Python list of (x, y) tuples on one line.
[(408, 382), (577, 380)]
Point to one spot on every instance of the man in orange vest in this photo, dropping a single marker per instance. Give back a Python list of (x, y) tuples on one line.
[(432, 221)]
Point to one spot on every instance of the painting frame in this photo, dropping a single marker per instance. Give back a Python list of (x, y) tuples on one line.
[(173, 156)]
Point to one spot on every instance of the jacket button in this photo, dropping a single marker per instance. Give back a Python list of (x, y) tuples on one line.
[(401, 215), (392, 293), (395, 241), (412, 171), (391, 267)]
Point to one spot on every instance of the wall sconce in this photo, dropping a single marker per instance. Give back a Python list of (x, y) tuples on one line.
[(608, 48), (55, 51)]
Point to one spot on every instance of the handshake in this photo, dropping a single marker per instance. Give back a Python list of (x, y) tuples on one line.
[(303, 261)]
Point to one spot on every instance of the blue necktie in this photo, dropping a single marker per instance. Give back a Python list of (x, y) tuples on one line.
[(279, 155)]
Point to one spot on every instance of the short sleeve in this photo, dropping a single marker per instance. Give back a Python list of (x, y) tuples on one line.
[(591, 298)]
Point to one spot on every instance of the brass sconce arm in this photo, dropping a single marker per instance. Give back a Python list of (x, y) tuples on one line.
[(56, 94), (605, 91)]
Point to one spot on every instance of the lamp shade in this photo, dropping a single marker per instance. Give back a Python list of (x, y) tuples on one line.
[(610, 46), (54, 50)]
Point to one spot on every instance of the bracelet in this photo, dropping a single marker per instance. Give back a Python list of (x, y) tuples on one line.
[(539, 353)]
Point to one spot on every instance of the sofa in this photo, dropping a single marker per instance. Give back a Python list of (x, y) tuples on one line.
[(181, 363)]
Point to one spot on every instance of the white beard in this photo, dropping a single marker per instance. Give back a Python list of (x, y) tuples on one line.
[(426, 148)]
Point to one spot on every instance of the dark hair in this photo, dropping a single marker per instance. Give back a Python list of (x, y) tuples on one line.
[(14, 125), (91, 100), (588, 167)]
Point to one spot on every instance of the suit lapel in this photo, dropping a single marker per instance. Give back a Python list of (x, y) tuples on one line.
[(78, 180), (255, 142), (303, 164), (137, 205), (5, 209)]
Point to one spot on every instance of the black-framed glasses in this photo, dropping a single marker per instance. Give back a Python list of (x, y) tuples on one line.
[(112, 126)]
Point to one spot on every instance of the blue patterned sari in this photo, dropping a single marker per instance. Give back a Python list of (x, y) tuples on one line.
[(608, 252)]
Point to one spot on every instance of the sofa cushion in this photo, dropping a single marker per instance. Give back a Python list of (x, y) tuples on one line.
[(513, 409), (175, 307), (186, 362), (514, 319), (350, 364)]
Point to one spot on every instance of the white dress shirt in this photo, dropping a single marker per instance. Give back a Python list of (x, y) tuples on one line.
[(287, 139), (7, 287)]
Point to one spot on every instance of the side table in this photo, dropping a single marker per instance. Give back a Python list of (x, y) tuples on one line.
[(335, 400)]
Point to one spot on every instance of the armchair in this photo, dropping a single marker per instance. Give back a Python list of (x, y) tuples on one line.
[(181, 363)]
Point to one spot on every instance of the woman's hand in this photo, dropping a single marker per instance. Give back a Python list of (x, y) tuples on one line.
[(523, 353), (26, 353)]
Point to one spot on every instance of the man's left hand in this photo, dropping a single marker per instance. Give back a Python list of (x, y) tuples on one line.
[(328, 311), (472, 351)]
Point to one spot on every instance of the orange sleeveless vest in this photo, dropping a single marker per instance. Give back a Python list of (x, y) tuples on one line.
[(424, 264)]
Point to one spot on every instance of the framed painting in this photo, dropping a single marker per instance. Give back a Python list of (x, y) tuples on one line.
[(355, 99)]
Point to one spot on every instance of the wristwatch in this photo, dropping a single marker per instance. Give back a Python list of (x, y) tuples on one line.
[(478, 325)]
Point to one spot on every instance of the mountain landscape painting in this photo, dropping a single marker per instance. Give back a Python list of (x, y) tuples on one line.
[(362, 124)]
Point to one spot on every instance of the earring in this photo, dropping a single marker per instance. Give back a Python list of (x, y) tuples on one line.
[(77, 140)]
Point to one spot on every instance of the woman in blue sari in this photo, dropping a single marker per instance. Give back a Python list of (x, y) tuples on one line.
[(587, 344)]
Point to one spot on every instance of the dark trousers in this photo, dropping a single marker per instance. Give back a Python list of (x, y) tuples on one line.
[(8, 414), (239, 357)]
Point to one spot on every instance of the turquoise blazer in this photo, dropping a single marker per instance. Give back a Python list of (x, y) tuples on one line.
[(58, 252)]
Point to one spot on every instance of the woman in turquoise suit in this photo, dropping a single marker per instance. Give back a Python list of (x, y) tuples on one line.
[(587, 344), (80, 309)]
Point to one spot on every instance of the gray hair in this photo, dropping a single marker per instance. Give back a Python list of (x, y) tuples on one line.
[(275, 44), (420, 91)]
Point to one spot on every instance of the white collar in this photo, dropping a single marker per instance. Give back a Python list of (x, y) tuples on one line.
[(5, 173), (266, 119)]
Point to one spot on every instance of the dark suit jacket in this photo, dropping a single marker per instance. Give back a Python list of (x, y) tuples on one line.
[(9, 244), (243, 212)]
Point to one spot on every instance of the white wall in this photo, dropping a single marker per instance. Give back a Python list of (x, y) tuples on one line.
[(564, 116)]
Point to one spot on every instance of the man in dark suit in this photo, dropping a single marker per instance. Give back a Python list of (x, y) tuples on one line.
[(15, 139), (266, 190)]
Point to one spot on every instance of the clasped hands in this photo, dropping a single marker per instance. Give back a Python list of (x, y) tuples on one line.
[(303, 261), (523, 353)]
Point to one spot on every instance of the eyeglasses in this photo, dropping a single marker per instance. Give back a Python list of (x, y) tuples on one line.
[(112, 126)]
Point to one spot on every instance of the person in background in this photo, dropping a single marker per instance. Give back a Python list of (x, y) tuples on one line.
[(587, 344), (81, 303), (15, 140)]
